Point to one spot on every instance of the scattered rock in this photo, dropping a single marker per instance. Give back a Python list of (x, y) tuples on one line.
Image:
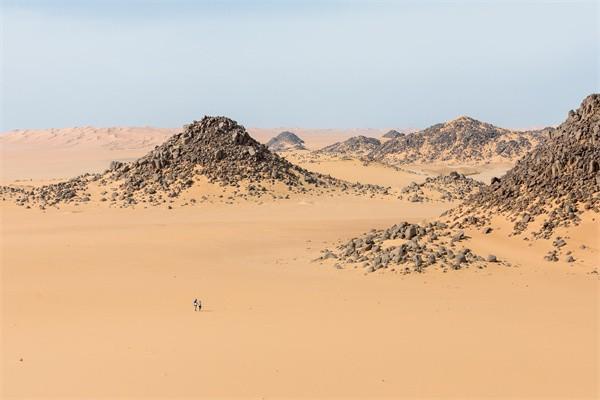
[(445, 188), (418, 252)]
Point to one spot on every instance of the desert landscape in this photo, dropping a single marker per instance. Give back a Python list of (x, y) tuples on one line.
[(357, 267), (299, 199)]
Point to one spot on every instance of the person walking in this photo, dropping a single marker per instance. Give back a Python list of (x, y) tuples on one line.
[(197, 305)]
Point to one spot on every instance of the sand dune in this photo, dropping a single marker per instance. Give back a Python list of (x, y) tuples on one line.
[(63, 153)]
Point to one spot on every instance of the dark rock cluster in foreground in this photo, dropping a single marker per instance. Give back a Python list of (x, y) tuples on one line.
[(421, 247)]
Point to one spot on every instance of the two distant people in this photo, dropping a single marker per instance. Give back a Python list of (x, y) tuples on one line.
[(197, 305)]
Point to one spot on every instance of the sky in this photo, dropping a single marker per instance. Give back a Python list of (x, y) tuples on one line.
[(313, 64)]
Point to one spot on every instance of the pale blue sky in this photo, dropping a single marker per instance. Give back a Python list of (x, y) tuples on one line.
[(295, 63)]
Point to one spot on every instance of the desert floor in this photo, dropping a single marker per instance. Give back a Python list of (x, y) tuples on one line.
[(97, 302)]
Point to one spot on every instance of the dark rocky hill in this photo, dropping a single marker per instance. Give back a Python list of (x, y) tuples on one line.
[(408, 248), (285, 141), (356, 146), (461, 140), (557, 180), (215, 149)]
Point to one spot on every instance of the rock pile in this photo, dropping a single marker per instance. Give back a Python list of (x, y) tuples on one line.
[(463, 139), (356, 146), (285, 141), (408, 248), (222, 151), (445, 188), (72, 191), (559, 179)]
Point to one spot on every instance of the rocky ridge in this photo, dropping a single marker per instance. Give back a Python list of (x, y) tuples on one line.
[(462, 140), (356, 146), (557, 181)]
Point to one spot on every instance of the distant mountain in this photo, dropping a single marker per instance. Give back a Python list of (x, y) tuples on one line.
[(462, 139), (357, 146), (392, 134), (286, 141)]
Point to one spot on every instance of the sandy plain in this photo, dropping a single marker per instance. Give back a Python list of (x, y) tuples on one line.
[(97, 303)]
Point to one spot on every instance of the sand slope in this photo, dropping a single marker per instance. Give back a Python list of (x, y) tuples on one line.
[(102, 308)]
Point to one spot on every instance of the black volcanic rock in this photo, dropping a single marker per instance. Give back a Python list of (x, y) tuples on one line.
[(407, 248), (285, 141)]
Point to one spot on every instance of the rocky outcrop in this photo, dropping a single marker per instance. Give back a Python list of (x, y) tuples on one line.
[(285, 141), (558, 180), (215, 149), (445, 188), (219, 149), (462, 140), (407, 248), (356, 146)]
